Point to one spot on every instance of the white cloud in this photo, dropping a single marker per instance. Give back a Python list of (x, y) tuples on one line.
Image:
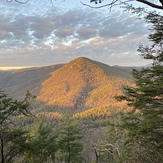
[(52, 35)]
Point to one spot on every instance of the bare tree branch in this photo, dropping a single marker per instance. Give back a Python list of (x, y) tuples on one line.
[(150, 4), (110, 5), (9, 1), (97, 7), (118, 2)]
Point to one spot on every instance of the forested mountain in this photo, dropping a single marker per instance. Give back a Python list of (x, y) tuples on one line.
[(17, 82), (85, 86), (82, 91)]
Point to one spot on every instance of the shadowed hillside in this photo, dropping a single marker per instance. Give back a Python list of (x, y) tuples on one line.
[(17, 82), (83, 84)]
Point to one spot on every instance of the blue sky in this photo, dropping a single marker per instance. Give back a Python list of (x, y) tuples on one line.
[(39, 34)]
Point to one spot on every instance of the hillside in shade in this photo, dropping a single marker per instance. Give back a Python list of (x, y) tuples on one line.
[(84, 84), (17, 82)]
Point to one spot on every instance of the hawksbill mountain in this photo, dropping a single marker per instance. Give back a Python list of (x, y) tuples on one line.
[(84, 84)]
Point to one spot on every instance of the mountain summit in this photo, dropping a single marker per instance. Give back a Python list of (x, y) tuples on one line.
[(82, 84)]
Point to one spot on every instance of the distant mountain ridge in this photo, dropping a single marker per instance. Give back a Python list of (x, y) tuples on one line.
[(17, 82)]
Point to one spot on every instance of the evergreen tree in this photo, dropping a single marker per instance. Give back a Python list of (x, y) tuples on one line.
[(12, 138), (42, 145), (145, 122), (69, 143)]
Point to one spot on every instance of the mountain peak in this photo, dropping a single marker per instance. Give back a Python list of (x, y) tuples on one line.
[(79, 60), (82, 83), (80, 64)]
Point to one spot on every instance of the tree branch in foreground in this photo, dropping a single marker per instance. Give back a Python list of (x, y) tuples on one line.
[(118, 2)]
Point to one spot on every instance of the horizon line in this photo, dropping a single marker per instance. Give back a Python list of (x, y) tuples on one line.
[(14, 67)]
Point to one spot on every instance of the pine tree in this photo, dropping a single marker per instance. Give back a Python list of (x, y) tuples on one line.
[(145, 122), (70, 146), (12, 138), (42, 145)]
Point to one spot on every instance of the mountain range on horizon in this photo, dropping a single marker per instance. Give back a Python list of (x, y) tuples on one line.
[(82, 84)]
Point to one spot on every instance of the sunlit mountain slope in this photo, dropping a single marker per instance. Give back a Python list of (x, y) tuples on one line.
[(83, 83)]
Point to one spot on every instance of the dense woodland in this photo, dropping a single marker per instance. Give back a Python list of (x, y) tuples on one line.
[(84, 84), (132, 133)]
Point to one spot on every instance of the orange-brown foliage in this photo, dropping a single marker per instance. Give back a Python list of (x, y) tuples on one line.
[(87, 84)]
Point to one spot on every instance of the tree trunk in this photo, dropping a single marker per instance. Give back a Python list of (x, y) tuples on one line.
[(2, 152)]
